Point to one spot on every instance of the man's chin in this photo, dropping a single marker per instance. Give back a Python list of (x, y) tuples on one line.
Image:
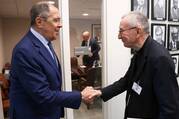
[(127, 46)]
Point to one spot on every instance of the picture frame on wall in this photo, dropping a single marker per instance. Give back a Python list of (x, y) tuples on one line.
[(158, 32), (159, 8), (173, 37), (175, 58), (96, 31), (173, 12), (141, 6)]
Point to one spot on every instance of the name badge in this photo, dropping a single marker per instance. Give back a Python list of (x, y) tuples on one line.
[(136, 88)]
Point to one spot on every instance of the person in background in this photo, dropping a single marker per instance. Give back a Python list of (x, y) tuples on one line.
[(159, 11), (94, 48), (174, 39), (36, 78), (141, 7), (159, 35), (150, 82), (175, 10), (6, 70)]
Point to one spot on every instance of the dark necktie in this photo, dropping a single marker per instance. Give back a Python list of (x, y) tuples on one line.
[(53, 53)]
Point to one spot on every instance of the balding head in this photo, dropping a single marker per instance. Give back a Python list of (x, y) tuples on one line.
[(135, 19), (85, 35)]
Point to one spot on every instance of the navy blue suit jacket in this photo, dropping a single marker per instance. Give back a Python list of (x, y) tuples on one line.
[(95, 48), (35, 91)]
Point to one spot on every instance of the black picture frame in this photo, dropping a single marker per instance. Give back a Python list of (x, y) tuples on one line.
[(144, 9), (173, 10), (173, 37), (158, 32), (175, 58), (159, 10)]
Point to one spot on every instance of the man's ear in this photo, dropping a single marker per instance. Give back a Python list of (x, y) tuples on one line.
[(138, 30), (38, 22)]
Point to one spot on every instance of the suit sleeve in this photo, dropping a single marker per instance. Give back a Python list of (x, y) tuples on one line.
[(166, 88), (96, 48), (35, 83), (113, 89), (119, 86)]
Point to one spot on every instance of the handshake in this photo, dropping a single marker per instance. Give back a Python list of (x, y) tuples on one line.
[(89, 94)]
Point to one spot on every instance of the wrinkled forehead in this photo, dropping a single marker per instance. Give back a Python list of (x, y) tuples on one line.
[(123, 23)]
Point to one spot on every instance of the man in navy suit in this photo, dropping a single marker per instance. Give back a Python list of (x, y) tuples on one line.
[(150, 82), (94, 49), (35, 91)]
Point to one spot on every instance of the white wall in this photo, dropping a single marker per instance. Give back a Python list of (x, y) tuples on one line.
[(1, 47), (77, 26), (13, 30), (117, 57)]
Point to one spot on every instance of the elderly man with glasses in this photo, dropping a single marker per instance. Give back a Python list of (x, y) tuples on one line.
[(150, 82)]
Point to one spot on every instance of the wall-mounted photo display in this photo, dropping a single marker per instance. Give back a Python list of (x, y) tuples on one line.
[(159, 8), (173, 12), (141, 6), (158, 32), (173, 37), (175, 58)]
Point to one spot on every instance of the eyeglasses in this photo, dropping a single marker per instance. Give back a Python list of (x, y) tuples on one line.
[(121, 30)]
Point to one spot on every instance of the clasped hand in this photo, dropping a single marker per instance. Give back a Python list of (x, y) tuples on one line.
[(89, 94)]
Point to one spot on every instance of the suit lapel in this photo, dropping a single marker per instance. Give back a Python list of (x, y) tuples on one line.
[(142, 60), (44, 53), (139, 70)]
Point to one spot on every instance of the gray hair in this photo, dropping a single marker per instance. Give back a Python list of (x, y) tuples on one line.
[(137, 19), (40, 9)]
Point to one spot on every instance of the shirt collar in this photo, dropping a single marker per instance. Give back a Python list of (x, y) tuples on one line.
[(39, 36)]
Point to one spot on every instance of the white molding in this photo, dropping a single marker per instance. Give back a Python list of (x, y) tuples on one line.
[(65, 51), (105, 109)]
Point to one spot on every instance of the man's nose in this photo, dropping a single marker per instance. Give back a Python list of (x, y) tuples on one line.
[(59, 25), (119, 35)]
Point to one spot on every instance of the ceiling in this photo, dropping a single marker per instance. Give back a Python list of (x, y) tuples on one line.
[(21, 8)]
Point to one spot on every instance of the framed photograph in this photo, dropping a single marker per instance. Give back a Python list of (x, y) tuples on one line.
[(159, 8), (158, 32), (140, 6), (173, 37), (173, 12), (175, 58), (96, 31)]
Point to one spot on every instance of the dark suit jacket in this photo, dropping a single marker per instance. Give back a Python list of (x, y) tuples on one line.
[(35, 91), (154, 71), (95, 48)]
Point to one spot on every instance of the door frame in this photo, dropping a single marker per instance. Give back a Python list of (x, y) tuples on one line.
[(65, 51)]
